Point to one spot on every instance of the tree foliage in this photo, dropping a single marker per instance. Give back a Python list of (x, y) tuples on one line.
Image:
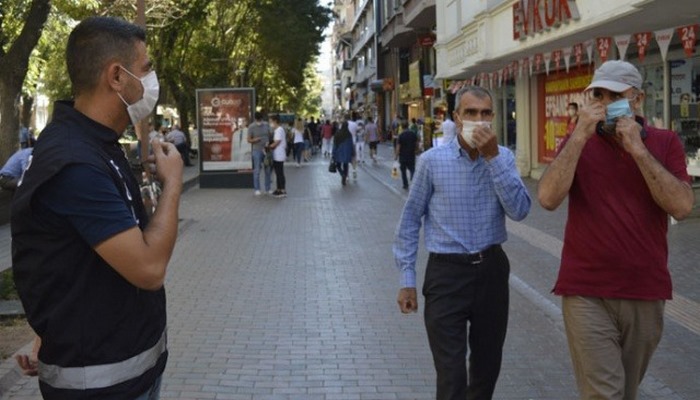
[(266, 44)]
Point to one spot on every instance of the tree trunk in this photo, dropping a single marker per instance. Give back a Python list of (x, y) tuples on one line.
[(13, 69)]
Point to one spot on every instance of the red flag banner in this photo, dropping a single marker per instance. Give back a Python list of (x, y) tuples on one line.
[(538, 61), (642, 39), (556, 56), (578, 54), (688, 34), (603, 45)]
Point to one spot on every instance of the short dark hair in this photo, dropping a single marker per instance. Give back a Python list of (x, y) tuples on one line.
[(258, 116), (477, 91), (275, 117), (96, 41), (574, 105)]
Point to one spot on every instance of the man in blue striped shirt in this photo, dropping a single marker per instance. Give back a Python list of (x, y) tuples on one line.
[(463, 191)]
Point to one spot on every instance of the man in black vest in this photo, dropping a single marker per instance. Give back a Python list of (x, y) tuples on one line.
[(88, 265)]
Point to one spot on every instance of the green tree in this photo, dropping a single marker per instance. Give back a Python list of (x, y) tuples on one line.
[(21, 25)]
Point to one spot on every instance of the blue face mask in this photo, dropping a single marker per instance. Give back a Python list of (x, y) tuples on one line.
[(617, 109)]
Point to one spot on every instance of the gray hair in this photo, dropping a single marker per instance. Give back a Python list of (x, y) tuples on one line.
[(477, 91)]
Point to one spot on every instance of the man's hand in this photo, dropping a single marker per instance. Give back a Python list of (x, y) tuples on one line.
[(408, 300), (29, 363), (485, 140), (628, 134), (588, 117), (168, 162)]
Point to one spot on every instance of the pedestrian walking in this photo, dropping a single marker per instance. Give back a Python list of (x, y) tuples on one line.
[(353, 127), (308, 141), (177, 137), (407, 146), (279, 154), (463, 193), (360, 135), (88, 264), (327, 137), (14, 167), (259, 137), (343, 151), (373, 137), (298, 137), (448, 129), (623, 178)]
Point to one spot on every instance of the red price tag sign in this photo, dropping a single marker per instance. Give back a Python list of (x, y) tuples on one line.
[(642, 40), (578, 53), (688, 35), (603, 45)]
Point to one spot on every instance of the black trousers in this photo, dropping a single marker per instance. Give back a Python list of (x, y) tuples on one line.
[(409, 165), (278, 166), (466, 301)]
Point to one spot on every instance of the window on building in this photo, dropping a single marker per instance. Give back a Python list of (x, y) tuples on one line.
[(685, 102)]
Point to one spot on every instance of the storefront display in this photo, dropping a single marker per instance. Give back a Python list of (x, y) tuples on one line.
[(685, 93)]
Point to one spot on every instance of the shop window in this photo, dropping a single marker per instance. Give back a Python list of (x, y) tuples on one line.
[(685, 102)]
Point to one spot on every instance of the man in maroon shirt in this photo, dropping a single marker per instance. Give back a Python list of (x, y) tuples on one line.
[(623, 178)]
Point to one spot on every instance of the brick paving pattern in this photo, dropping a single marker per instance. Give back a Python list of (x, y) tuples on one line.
[(295, 298)]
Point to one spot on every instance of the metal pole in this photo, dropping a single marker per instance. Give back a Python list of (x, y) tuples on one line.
[(141, 127)]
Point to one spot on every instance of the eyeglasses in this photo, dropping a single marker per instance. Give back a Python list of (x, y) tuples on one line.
[(473, 112)]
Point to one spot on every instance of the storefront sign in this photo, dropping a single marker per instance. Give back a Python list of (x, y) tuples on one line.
[(688, 34), (534, 16), (555, 93), (642, 39)]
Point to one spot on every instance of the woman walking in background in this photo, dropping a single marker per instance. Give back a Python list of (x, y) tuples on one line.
[(343, 150), (298, 132)]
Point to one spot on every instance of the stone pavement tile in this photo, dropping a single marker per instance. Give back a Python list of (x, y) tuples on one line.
[(295, 299)]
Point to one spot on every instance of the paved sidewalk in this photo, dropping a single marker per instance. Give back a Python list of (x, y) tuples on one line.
[(295, 298)]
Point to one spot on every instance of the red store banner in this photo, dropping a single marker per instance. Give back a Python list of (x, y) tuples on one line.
[(642, 39), (578, 54), (688, 35), (603, 45)]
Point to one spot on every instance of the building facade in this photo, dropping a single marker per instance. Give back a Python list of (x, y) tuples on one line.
[(538, 55)]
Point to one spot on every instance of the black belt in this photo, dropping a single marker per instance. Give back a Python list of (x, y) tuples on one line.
[(468, 258)]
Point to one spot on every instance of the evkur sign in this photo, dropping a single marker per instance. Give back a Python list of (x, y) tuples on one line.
[(534, 16)]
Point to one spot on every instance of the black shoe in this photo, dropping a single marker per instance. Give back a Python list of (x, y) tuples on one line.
[(344, 180)]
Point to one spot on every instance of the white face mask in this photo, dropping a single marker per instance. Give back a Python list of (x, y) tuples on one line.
[(142, 108), (468, 130)]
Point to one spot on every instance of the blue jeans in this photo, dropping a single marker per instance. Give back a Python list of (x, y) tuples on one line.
[(298, 148), (258, 157), (153, 393)]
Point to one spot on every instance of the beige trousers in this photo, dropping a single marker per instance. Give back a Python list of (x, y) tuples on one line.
[(611, 342)]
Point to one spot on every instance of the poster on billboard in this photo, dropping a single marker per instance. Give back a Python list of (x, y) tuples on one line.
[(223, 115), (556, 92)]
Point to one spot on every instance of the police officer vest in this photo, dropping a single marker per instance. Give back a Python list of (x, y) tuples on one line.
[(100, 335)]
